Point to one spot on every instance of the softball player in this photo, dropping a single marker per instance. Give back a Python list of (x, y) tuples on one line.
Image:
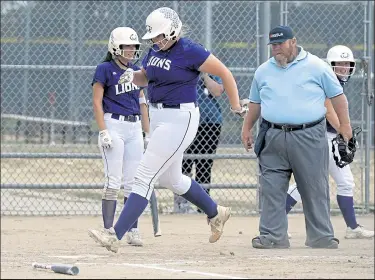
[(343, 64), (119, 107), (171, 69)]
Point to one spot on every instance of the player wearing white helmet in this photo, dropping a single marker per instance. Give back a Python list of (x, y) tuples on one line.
[(171, 70), (342, 61), (121, 113)]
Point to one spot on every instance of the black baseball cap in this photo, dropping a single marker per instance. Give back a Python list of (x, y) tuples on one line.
[(280, 34)]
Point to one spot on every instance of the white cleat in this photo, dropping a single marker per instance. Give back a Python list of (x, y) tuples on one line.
[(134, 238), (217, 223), (358, 233), (110, 230), (106, 238)]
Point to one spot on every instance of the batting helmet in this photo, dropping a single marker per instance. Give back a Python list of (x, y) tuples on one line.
[(163, 21), (123, 36), (341, 53)]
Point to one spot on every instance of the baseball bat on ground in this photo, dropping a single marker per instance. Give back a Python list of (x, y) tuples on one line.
[(58, 268), (155, 214)]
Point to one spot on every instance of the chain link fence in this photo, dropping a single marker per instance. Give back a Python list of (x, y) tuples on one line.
[(50, 160)]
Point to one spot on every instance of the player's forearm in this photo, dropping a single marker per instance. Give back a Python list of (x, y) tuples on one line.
[(230, 88), (140, 78), (99, 116), (145, 120), (251, 117), (340, 105)]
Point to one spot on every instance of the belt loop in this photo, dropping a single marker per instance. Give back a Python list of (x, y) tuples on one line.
[(122, 118), (159, 105), (304, 126)]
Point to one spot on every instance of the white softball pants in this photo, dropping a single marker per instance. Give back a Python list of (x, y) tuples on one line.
[(343, 177), (122, 159), (171, 132)]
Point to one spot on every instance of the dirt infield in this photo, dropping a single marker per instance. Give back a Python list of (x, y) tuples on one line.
[(183, 251)]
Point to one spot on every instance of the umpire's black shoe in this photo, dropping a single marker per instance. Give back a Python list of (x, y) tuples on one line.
[(329, 244), (261, 242)]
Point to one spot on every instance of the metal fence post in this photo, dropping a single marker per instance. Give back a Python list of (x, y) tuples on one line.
[(25, 90), (264, 28), (73, 7), (208, 39), (369, 91)]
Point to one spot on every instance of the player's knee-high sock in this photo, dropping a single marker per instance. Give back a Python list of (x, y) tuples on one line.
[(199, 197), (290, 202), (108, 212), (346, 205), (133, 209), (135, 225)]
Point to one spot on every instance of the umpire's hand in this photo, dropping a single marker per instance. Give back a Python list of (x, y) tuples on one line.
[(247, 139), (105, 140)]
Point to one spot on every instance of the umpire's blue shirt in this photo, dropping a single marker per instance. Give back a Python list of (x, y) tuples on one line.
[(294, 94)]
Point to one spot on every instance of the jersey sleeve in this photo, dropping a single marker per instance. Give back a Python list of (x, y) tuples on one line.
[(196, 55), (100, 75)]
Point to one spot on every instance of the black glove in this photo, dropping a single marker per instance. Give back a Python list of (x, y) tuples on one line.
[(346, 150)]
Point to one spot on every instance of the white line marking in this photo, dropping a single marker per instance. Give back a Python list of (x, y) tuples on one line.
[(157, 267), (79, 257)]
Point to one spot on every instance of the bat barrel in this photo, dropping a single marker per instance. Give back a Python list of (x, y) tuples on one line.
[(58, 268)]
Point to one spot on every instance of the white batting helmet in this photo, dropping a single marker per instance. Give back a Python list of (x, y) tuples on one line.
[(123, 36), (341, 53), (163, 21)]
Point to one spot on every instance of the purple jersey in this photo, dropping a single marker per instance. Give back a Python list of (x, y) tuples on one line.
[(173, 74), (119, 98)]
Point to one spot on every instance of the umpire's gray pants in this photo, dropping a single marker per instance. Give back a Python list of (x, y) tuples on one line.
[(305, 153)]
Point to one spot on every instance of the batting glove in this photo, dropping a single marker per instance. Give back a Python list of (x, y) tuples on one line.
[(244, 108), (128, 76), (146, 139), (105, 140)]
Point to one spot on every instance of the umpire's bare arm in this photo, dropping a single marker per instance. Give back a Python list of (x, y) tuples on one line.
[(248, 123)]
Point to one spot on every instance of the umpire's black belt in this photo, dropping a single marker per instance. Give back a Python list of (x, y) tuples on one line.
[(292, 127), (130, 118), (169, 106)]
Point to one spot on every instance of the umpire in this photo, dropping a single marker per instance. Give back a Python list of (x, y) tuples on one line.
[(288, 91)]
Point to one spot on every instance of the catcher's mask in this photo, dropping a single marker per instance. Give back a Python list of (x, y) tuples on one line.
[(346, 150)]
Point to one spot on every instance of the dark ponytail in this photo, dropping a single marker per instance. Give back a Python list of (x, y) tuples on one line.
[(108, 57)]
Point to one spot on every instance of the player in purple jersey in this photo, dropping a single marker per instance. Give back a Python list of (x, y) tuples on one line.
[(120, 112), (171, 71)]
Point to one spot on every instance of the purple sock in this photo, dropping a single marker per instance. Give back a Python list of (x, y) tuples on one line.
[(133, 208), (346, 205), (135, 225), (199, 197), (290, 202), (108, 212)]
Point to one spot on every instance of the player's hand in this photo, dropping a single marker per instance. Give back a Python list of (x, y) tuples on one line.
[(105, 140), (146, 140), (240, 111), (346, 132), (247, 139), (128, 75)]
